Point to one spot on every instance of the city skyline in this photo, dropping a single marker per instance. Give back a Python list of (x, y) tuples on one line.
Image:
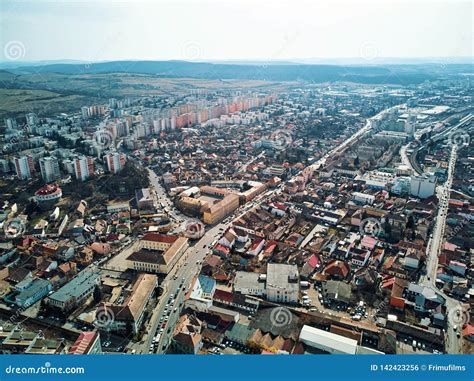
[(236, 177)]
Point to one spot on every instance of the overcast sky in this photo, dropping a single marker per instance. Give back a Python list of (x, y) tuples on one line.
[(234, 29)]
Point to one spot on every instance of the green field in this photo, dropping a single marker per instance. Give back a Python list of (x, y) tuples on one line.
[(51, 93), (15, 102)]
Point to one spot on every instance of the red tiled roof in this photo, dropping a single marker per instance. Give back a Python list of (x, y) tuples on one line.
[(455, 202), (255, 243), (468, 330), (337, 268), (369, 242), (65, 267), (112, 237), (222, 295), (48, 189), (28, 240), (397, 302), (212, 260), (83, 343), (221, 277), (270, 246), (388, 283), (298, 349), (450, 246), (222, 248), (313, 261), (280, 206), (159, 238)]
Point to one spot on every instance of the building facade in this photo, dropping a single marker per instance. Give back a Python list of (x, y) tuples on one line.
[(49, 167)]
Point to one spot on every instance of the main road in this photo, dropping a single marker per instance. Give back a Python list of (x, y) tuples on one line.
[(455, 313), (453, 340), (179, 280)]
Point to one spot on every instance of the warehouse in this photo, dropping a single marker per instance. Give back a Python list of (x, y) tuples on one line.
[(327, 341)]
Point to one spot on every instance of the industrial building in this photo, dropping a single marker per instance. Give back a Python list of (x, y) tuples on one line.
[(327, 341)]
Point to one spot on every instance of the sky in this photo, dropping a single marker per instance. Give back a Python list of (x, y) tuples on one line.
[(234, 29)]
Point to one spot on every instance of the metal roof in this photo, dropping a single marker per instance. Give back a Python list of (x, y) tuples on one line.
[(321, 339)]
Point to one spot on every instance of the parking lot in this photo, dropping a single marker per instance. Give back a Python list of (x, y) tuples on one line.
[(227, 347), (409, 345), (113, 343), (119, 261), (356, 313)]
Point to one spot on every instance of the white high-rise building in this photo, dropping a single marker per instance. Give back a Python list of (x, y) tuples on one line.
[(84, 168), (10, 124), (32, 119), (85, 112), (410, 125), (4, 166), (423, 186), (24, 167), (115, 161), (49, 167)]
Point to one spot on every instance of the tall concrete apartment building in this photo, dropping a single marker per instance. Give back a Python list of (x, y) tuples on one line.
[(115, 161), (84, 168), (423, 186), (49, 167), (24, 167)]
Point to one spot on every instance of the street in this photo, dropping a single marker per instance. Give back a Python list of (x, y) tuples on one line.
[(181, 277), (453, 343)]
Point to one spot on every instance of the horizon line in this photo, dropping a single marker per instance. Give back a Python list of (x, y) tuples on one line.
[(296, 60)]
